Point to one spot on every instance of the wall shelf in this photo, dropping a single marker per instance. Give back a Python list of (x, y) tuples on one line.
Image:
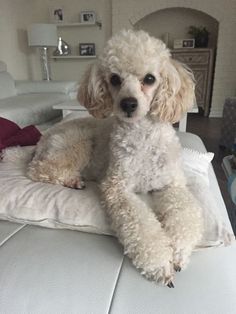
[(74, 24), (73, 57), (99, 24)]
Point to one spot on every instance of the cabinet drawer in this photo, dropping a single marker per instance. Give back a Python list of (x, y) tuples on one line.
[(200, 76), (192, 58)]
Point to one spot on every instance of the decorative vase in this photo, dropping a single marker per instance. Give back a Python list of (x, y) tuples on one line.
[(63, 49)]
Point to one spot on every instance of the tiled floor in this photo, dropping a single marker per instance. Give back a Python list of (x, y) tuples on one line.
[(209, 130)]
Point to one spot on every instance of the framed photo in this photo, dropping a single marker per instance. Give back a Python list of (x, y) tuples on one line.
[(87, 17), (87, 49), (184, 43), (57, 14)]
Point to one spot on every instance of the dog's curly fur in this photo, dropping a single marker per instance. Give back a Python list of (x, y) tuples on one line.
[(143, 154)]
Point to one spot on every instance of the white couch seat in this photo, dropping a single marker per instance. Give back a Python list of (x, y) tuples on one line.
[(30, 109), (31, 102)]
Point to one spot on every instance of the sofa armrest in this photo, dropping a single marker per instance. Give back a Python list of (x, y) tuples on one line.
[(34, 87)]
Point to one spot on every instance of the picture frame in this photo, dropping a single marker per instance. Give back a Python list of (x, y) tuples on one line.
[(57, 14), (87, 49), (87, 17), (184, 43)]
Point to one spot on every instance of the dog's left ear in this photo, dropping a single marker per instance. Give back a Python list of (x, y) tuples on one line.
[(175, 94), (93, 92)]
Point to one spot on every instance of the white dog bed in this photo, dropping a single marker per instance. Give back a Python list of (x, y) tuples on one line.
[(55, 206)]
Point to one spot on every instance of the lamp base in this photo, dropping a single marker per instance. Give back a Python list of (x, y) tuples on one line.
[(45, 65)]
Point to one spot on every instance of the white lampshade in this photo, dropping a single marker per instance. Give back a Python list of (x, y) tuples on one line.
[(42, 35)]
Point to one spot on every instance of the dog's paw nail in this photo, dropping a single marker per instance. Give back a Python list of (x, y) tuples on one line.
[(177, 268), (170, 284)]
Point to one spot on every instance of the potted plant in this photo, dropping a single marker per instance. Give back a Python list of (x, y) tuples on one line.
[(200, 34)]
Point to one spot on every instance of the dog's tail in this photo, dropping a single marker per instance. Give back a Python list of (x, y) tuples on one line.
[(18, 155)]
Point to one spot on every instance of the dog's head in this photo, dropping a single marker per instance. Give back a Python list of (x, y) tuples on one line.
[(135, 77)]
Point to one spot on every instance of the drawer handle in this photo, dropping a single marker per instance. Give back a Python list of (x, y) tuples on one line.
[(190, 59)]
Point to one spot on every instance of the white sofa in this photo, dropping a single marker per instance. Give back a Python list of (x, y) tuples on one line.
[(63, 271), (27, 102)]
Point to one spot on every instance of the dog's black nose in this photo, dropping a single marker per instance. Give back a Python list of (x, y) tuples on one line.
[(129, 105)]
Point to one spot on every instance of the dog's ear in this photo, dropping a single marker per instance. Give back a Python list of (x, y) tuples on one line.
[(93, 93), (175, 94)]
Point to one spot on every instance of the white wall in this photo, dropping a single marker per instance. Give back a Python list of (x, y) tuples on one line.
[(13, 48), (176, 22), (126, 13)]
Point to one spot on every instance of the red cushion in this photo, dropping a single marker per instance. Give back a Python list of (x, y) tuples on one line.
[(7, 128), (12, 135)]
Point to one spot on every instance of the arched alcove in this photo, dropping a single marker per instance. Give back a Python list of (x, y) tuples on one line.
[(175, 22)]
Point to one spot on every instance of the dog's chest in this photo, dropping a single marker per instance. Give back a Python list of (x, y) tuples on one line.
[(143, 158)]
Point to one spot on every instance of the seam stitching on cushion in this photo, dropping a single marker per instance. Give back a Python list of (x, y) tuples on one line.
[(117, 280), (12, 235)]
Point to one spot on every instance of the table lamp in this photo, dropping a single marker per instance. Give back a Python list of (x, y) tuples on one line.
[(43, 36)]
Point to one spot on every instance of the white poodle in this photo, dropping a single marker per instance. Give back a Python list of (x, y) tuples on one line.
[(136, 150)]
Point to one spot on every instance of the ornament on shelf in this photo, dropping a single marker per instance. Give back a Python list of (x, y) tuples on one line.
[(63, 49)]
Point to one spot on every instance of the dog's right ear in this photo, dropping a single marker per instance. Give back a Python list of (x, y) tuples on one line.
[(93, 93)]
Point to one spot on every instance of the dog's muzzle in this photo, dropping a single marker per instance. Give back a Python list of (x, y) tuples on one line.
[(129, 105)]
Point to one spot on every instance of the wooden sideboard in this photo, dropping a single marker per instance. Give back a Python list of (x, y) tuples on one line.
[(201, 62)]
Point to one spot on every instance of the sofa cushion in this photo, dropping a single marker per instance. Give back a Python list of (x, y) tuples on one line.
[(7, 85), (31, 108), (32, 87), (56, 271)]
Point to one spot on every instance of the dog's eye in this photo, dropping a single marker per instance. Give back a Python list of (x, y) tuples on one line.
[(149, 79), (115, 80)]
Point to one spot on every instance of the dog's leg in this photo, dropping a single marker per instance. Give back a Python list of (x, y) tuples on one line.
[(62, 165), (138, 229), (181, 217)]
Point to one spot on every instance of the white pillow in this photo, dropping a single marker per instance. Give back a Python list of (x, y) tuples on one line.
[(54, 206), (196, 163)]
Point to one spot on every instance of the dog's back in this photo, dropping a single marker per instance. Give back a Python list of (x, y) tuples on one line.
[(67, 149)]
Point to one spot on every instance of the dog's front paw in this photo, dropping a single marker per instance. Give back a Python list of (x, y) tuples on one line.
[(156, 264), (163, 274)]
